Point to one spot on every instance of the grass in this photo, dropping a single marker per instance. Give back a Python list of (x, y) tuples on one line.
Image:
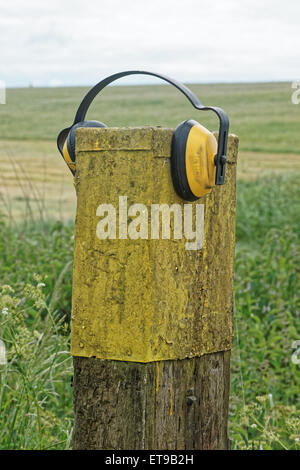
[(262, 115), (35, 182), (35, 390), (264, 411), (35, 383), (36, 242)]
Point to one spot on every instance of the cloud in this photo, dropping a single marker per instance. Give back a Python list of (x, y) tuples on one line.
[(198, 40)]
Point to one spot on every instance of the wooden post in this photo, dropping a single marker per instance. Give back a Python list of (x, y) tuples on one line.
[(152, 321)]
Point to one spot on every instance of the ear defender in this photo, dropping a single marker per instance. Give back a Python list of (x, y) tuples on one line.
[(193, 160), (197, 161), (66, 142)]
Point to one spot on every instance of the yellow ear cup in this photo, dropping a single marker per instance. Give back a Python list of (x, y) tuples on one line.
[(66, 142), (193, 160), (67, 158), (201, 148)]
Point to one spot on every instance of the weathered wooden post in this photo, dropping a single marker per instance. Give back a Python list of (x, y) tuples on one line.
[(152, 321)]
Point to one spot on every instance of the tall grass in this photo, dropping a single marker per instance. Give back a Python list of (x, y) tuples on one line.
[(35, 365), (265, 381), (44, 248), (35, 390)]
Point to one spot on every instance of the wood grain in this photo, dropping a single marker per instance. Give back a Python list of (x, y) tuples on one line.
[(160, 405)]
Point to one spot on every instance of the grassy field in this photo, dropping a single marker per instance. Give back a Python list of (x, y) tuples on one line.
[(262, 115), (37, 204)]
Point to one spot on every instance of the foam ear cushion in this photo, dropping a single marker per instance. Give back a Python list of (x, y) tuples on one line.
[(71, 135), (178, 164)]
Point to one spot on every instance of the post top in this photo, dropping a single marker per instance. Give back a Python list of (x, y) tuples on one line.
[(155, 138)]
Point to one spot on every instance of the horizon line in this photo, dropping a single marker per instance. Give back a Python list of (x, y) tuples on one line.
[(233, 82)]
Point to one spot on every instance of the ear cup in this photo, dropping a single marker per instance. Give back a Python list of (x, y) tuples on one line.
[(178, 167), (71, 136), (192, 161), (66, 141)]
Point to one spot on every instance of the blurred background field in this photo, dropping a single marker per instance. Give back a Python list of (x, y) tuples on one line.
[(37, 208), (262, 115)]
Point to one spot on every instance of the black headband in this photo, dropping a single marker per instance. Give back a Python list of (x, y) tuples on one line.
[(220, 158)]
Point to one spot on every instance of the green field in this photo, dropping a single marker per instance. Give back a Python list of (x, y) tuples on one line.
[(37, 203), (262, 115)]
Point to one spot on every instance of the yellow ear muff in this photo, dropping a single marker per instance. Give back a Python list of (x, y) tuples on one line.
[(66, 142), (201, 148), (67, 158), (193, 160)]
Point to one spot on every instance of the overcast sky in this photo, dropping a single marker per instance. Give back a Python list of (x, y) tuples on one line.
[(79, 42)]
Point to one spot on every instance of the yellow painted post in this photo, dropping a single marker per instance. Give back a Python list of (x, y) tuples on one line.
[(152, 311)]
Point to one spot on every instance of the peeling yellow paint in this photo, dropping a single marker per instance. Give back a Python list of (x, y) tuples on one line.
[(148, 300)]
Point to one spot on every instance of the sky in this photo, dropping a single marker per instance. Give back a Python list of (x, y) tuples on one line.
[(75, 42)]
